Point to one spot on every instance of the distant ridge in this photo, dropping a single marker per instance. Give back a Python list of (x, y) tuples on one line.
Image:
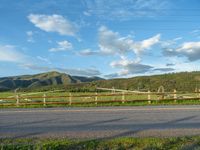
[(43, 79), (182, 81)]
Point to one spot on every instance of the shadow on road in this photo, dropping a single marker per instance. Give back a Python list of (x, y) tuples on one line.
[(58, 125)]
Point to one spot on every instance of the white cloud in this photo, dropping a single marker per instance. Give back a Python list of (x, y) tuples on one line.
[(139, 47), (189, 46), (149, 42), (190, 50), (178, 38), (112, 43), (8, 53), (62, 46), (53, 23)]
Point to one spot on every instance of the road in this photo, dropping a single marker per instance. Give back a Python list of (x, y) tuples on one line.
[(100, 122)]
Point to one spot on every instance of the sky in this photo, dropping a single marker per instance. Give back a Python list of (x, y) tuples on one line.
[(105, 38)]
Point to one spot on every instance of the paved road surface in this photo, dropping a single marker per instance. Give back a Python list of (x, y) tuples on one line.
[(102, 122)]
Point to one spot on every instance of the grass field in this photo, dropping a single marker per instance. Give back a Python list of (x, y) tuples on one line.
[(176, 143)]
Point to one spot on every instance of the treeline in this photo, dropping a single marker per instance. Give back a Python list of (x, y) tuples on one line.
[(184, 81)]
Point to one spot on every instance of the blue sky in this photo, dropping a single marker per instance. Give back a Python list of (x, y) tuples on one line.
[(107, 38)]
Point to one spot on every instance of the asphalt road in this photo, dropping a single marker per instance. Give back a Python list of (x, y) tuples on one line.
[(102, 122)]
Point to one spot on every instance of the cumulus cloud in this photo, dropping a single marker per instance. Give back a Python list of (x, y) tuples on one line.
[(178, 38), (62, 46), (139, 47), (129, 67), (8, 53), (77, 72), (53, 23), (190, 50), (112, 43)]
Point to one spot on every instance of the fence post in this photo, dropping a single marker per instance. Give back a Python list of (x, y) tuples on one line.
[(113, 90), (17, 100), (123, 97), (199, 92), (149, 97), (196, 91), (175, 95), (44, 99), (96, 98), (70, 99)]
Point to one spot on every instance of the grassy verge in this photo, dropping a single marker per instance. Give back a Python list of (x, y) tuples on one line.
[(113, 144)]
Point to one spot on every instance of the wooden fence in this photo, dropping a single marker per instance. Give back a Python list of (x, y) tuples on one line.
[(96, 98)]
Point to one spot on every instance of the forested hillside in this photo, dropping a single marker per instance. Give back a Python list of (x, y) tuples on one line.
[(184, 81)]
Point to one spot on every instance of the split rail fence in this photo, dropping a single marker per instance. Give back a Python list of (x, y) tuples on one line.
[(97, 98)]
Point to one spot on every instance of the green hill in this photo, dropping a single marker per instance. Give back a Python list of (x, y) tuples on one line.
[(184, 81), (41, 80)]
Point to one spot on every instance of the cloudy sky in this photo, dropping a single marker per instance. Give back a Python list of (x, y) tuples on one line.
[(106, 38)]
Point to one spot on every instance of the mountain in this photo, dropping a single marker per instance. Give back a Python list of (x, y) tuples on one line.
[(41, 80), (183, 81)]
